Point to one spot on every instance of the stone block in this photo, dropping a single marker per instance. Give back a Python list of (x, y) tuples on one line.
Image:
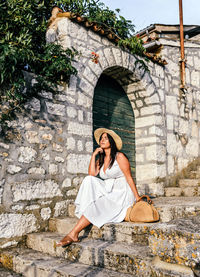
[(78, 163), (16, 225), (13, 169), (47, 137), (53, 169), (190, 191), (80, 116), (192, 147), (155, 153), (59, 159), (80, 129), (32, 207), (35, 190), (150, 110), (170, 164), (89, 146), (160, 268), (79, 145), (146, 172), (173, 145), (45, 156), (61, 209), (45, 213), (32, 137), (171, 105), (57, 147), (117, 55), (84, 100), (195, 78), (66, 183), (86, 87), (184, 183), (155, 189), (195, 130), (36, 170), (146, 140), (173, 69), (72, 192), (55, 109), (26, 154), (34, 104), (148, 121), (170, 122), (4, 145), (173, 191), (70, 144)]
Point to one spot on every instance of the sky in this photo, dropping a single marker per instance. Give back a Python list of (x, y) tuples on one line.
[(143, 13)]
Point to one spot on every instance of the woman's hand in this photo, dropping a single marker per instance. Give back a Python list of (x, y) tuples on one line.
[(97, 151), (93, 169), (137, 198)]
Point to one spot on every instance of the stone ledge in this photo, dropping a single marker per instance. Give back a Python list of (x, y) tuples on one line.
[(32, 263), (116, 256)]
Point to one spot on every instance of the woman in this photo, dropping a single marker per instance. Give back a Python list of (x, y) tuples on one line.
[(103, 201)]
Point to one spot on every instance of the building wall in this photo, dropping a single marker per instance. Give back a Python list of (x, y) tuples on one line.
[(46, 158), (182, 108)]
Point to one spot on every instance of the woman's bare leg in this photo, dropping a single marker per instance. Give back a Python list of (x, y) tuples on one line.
[(80, 225)]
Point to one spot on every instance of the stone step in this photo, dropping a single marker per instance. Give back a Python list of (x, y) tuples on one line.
[(31, 263), (173, 191), (7, 273), (128, 232), (163, 269), (177, 241), (193, 174), (184, 183), (116, 256), (168, 207), (182, 191)]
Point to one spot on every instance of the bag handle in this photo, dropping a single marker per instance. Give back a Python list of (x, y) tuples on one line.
[(147, 197)]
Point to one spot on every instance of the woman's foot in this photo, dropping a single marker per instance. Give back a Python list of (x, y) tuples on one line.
[(67, 240)]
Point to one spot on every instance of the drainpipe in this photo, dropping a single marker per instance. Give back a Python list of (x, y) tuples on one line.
[(182, 60)]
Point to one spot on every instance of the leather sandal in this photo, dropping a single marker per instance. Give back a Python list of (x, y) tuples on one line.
[(66, 241)]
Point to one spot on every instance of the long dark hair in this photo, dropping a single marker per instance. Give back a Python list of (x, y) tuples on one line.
[(113, 152)]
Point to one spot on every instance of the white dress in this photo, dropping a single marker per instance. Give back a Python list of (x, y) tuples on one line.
[(107, 200)]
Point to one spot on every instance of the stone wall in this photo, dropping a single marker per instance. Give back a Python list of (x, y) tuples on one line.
[(182, 108), (46, 159)]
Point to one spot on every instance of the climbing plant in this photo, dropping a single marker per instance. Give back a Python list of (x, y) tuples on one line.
[(23, 47)]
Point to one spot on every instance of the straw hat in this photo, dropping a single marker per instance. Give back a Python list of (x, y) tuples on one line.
[(98, 132)]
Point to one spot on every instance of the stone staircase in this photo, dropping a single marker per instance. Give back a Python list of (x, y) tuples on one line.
[(161, 249), (169, 248), (187, 187)]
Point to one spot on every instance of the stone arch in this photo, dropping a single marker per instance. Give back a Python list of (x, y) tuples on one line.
[(140, 88), (146, 104)]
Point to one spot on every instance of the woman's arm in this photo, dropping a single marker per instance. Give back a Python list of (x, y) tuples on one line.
[(93, 169), (125, 168)]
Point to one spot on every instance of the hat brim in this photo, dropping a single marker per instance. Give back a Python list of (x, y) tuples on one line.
[(98, 132)]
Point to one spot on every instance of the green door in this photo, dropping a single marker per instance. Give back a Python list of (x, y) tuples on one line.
[(112, 110)]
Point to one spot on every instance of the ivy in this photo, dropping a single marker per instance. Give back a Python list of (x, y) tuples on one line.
[(23, 47)]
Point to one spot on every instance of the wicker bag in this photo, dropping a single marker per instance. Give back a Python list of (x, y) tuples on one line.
[(142, 211)]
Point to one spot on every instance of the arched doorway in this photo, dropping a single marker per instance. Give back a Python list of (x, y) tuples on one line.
[(112, 110)]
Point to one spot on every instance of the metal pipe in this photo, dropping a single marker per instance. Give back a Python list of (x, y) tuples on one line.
[(182, 60)]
